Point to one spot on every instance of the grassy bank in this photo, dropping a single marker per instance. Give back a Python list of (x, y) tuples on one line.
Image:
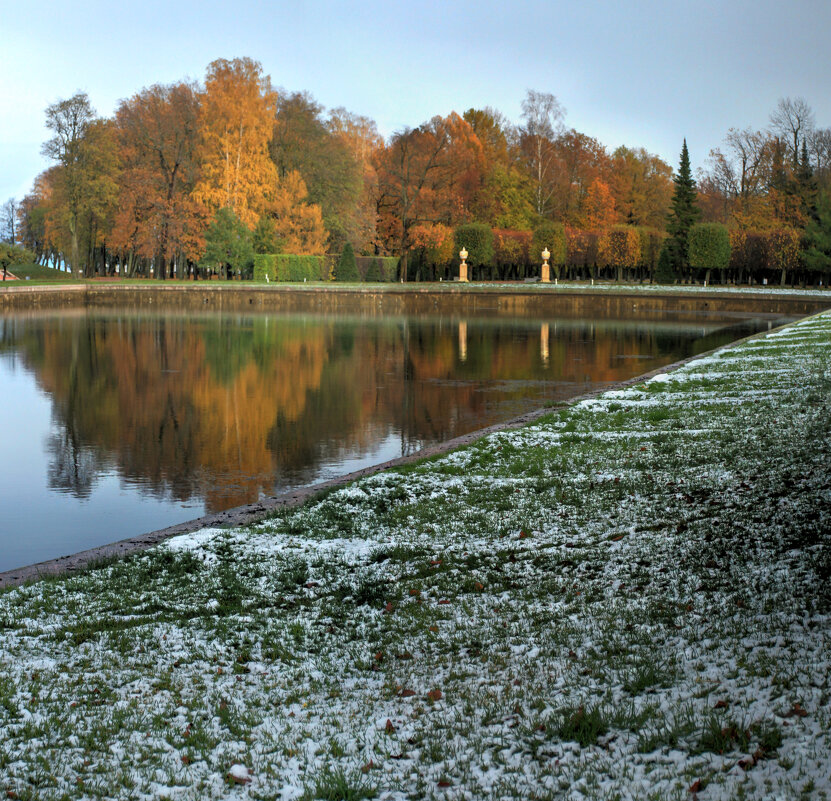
[(627, 599), (37, 273)]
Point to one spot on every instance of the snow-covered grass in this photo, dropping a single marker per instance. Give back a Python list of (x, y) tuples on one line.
[(628, 599)]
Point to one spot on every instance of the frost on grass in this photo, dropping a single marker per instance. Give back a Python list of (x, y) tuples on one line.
[(628, 599)]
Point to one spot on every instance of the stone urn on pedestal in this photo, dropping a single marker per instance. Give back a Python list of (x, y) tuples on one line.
[(546, 268), (463, 266)]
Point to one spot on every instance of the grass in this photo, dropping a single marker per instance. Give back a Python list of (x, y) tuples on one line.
[(37, 273), (627, 599)]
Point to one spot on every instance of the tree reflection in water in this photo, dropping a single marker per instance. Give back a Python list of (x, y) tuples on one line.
[(227, 408)]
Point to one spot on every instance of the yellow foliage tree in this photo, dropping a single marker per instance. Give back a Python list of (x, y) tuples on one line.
[(297, 223), (236, 121)]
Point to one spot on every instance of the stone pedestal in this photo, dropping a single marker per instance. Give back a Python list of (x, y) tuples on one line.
[(463, 272), (546, 273)]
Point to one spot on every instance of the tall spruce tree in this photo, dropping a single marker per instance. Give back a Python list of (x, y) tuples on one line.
[(683, 216)]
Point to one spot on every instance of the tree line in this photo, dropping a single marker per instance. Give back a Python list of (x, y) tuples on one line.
[(195, 177)]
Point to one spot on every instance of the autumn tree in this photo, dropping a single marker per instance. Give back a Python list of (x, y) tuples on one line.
[(159, 135), (580, 160), (361, 137), (303, 142), (298, 224), (31, 227), (641, 184), (599, 206), (542, 117), (426, 174), (236, 118)]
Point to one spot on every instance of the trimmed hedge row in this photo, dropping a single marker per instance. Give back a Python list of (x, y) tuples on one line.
[(287, 267), (378, 268)]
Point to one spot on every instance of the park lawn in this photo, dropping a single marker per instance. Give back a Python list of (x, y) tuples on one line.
[(628, 599), (35, 274)]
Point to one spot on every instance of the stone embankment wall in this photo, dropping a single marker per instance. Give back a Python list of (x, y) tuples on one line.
[(654, 304)]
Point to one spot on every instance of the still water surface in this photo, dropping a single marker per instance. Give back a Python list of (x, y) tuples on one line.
[(114, 424)]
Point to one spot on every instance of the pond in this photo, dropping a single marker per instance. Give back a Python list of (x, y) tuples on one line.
[(117, 423)]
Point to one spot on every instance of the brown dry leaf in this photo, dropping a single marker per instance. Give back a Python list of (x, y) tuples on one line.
[(434, 695), (407, 693), (389, 728), (695, 787)]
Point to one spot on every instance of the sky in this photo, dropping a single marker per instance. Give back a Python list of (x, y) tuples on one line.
[(645, 74)]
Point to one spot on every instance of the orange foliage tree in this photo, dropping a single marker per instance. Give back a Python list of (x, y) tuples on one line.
[(158, 135), (426, 174)]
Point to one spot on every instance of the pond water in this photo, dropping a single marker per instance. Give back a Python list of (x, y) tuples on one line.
[(118, 423)]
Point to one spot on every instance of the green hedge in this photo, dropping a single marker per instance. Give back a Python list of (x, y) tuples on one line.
[(477, 239), (709, 246), (378, 268), (287, 267), (549, 235)]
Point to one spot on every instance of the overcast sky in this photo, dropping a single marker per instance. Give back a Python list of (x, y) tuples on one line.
[(644, 74)]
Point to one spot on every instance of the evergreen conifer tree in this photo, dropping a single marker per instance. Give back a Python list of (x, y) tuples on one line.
[(373, 274), (347, 268), (816, 241), (684, 214), (807, 186)]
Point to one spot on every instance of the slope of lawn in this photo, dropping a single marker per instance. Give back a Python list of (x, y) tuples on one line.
[(629, 599)]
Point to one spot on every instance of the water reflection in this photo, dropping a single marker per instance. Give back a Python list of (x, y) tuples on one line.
[(218, 410)]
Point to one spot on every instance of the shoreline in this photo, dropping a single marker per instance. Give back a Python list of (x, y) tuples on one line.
[(254, 512)]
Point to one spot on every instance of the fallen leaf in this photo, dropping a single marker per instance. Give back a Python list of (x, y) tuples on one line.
[(185, 759), (443, 601), (434, 695), (407, 693), (434, 629), (389, 728), (479, 586), (435, 562), (695, 787), (721, 705), (797, 711), (368, 767), (444, 783)]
